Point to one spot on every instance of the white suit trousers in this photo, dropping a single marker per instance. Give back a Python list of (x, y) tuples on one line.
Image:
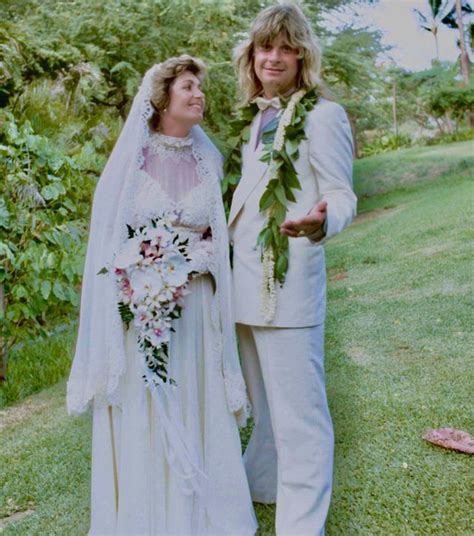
[(289, 458)]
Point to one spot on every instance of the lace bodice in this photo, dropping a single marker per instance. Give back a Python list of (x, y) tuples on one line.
[(170, 181)]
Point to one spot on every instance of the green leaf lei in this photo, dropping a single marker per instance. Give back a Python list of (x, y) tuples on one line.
[(279, 190)]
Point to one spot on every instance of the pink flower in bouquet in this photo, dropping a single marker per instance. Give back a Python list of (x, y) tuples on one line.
[(150, 251), (157, 336), (127, 291), (179, 294), (157, 236)]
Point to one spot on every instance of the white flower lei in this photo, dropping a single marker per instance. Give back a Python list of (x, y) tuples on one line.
[(268, 296)]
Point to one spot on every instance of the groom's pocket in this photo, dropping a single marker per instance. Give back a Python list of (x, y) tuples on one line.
[(301, 242), (306, 259)]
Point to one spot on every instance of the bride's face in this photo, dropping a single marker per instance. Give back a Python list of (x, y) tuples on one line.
[(186, 104)]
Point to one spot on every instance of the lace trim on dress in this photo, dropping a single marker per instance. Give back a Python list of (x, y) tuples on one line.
[(170, 147), (171, 141)]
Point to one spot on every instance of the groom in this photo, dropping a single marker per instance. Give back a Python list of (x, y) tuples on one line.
[(289, 458)]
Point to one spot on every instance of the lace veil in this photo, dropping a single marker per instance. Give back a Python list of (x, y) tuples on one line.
[(99, 361)]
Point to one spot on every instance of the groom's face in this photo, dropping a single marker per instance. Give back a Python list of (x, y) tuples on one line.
[(276, 66)]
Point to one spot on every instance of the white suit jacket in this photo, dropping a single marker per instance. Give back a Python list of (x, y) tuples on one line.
[(324, 169)]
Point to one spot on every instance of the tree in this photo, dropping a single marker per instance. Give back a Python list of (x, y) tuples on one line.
[(437, 94), (432, 17), (349, 68), (462, 18)]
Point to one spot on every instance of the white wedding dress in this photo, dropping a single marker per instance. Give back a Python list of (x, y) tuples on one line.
[(137, 486)]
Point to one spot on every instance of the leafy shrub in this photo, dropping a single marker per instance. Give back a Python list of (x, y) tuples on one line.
[(461, 135), (385, 143), (44, 206)]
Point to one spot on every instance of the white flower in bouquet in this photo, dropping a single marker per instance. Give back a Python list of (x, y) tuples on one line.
[(129, 255), (162, 323), (168, 219), (143, 315), (145, 283), (176, 269), (157, 336), (166, 294)]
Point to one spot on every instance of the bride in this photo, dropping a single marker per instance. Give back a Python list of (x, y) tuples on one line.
[(166, 455)]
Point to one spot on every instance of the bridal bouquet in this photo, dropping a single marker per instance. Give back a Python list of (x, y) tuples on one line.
[(152, 272)]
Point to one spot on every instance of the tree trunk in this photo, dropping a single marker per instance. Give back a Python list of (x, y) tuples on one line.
[(449, 122), (440, 125), (434, 31), (3, 342), (352, 122), (394, 107), (462, 44), (464, 56)]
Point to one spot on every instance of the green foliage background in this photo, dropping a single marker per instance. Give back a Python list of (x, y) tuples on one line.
[(68, 72)]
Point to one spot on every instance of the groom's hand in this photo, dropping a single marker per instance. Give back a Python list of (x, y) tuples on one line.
[(310, 225)]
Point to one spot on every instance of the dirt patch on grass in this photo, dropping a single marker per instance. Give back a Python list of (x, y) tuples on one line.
[(430, 251), (359, 355), (15, 415), (339, 276), (404, 353), (17, 516), (376, 213), (446, 288)]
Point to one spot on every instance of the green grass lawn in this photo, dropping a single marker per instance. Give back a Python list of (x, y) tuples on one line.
[(45, 466), (406, 167), (38, 363), (398, 360)]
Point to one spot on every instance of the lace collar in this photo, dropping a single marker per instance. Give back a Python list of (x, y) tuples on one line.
[(170, 142)]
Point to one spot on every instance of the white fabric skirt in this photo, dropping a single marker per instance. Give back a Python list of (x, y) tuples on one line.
[(138, 486)]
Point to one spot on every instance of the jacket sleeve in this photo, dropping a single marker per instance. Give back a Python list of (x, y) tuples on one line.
[(331, 154)]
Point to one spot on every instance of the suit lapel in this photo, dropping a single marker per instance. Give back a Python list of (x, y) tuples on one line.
[(253, 171)]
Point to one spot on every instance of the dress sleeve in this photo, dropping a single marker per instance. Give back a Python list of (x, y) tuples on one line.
[(202, 256)]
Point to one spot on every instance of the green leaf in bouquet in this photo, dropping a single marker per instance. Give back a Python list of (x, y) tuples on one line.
[(125, 313)]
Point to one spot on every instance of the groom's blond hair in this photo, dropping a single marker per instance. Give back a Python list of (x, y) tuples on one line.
[(289, 21)]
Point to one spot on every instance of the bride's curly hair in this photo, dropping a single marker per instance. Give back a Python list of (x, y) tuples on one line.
[(163, 79), (287, 20)]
